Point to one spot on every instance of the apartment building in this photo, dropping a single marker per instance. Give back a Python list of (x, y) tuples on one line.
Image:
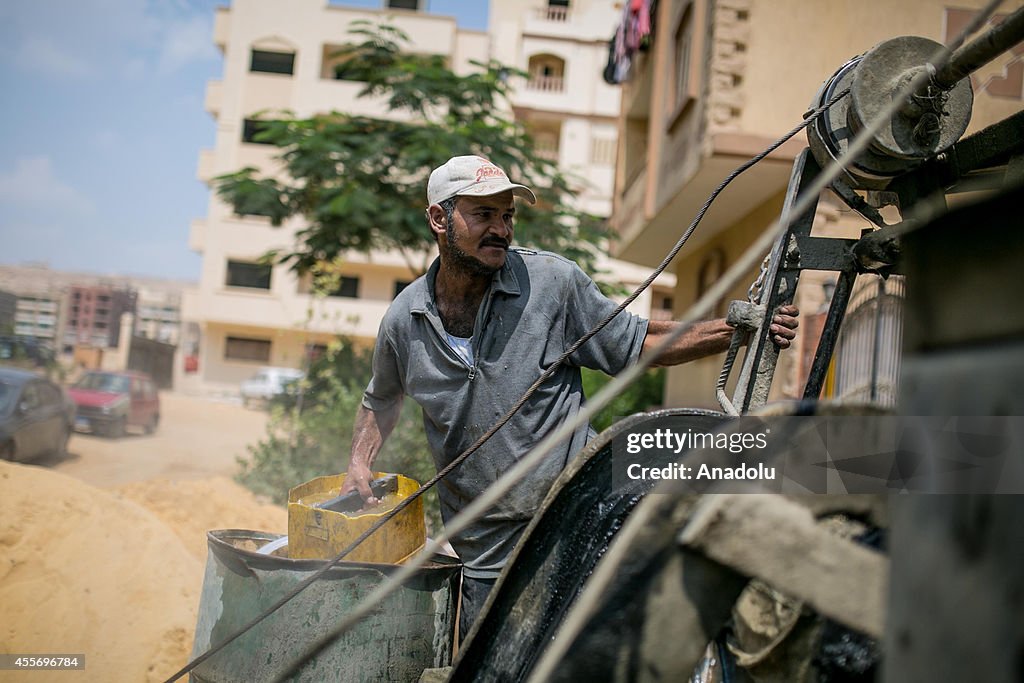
[(250, 313), (717, 82), (570, 110), (65, 309), (8, 311), (158, 314), (94, 315), (279, 57)]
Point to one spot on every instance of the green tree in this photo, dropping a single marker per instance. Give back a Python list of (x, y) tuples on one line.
[(359, 181)]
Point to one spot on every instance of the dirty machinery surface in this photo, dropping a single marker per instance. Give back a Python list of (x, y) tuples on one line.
[(633, 587)]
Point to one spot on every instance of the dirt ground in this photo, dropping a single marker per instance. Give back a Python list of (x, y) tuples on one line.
[(197, 439), (102, 550)]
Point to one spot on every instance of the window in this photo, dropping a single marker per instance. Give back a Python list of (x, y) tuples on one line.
[(245, 348), (315, 352), (557, 10), (252, 275), (602, 151), (347, 287), (404, 4), (30, 396), (546, 73), (269, 62), (682, 86), (251, 130), (546, 138), (400, 285)]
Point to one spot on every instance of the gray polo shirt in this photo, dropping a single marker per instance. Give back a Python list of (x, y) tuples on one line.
[(538, 305)]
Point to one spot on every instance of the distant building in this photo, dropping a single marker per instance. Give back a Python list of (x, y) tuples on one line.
[(94, 315), (158, 314), (44, 305), (8, 309)]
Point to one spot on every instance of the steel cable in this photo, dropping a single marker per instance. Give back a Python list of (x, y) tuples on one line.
[(546, 375), (700, 309)]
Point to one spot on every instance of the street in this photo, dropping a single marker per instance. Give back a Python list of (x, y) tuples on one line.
[(197, 439)]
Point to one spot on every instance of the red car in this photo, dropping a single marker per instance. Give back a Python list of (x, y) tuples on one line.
[(109, 402)]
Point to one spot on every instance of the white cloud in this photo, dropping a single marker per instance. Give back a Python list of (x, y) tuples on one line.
[(33, 183)]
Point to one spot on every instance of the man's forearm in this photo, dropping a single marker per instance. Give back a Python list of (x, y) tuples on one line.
[(705, 338), (370, 431)]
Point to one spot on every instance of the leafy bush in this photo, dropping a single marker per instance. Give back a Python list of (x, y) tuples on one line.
[(641, 395)]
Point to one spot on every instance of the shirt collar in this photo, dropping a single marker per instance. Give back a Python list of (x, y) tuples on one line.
[(504, 281)]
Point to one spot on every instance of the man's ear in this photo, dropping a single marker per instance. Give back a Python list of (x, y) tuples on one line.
[(438, 219)]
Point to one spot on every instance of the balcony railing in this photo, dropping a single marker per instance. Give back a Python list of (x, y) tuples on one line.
[(552, 13), (546, 83), (546, 150)]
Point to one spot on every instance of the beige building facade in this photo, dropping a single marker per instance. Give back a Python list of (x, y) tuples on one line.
[(719, 82), (278, 57), (250, 314)]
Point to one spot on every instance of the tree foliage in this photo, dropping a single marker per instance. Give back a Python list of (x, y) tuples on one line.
[(640, 396), (359, 182)]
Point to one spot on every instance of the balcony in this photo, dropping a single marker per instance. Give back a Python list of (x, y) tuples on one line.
[(214, 97), (197, 236), (230, 306), (221, 28), (206, 169), (551, 13), (547, 84)]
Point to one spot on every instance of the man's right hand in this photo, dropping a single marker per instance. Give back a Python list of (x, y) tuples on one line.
[(358, 479), (368, 434)]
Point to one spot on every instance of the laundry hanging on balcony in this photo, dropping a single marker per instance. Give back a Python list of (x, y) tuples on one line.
[(633, 34)]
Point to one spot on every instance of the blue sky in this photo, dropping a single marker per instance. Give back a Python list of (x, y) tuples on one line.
[(101, 126)]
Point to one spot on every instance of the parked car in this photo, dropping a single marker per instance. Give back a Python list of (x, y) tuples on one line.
[(268, 384), (110, 402), (35, 415), (26, 353)]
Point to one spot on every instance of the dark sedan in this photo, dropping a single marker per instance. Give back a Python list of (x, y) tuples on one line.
[(36, 416)]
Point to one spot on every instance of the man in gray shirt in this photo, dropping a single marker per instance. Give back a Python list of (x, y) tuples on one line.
[(466, 340)]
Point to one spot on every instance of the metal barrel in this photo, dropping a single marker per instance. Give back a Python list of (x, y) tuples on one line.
[(411, 631)]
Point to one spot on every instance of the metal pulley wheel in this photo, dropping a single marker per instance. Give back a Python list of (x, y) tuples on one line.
[(930, 122)]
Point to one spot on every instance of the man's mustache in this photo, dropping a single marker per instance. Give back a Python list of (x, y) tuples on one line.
[(495, 242)]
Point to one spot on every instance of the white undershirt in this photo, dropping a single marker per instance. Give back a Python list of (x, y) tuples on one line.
[(462, 347)]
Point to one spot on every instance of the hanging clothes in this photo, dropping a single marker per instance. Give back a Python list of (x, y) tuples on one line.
[(633, 34)]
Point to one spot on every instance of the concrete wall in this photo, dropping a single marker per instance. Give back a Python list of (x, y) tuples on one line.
[(755, 67)]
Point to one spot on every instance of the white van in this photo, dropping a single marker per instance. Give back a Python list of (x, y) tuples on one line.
[(268, 383)]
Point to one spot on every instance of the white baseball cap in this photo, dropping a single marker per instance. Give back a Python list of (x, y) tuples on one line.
[(472, 176)]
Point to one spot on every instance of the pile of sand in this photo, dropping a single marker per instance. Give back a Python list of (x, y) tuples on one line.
[(191, 508), (83, 570)]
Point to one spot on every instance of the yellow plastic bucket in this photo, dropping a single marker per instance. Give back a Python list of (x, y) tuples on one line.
[(317, 534)]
